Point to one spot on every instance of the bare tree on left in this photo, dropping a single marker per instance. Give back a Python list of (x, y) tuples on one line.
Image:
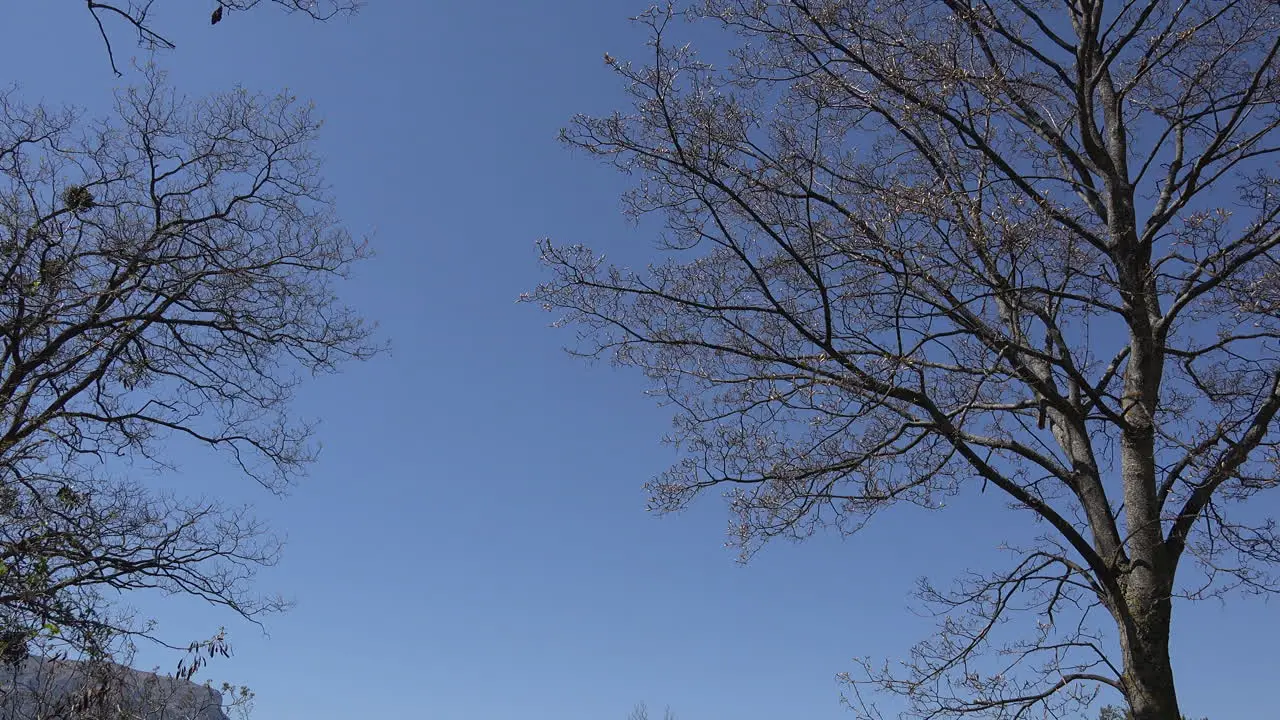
[(166, 275)]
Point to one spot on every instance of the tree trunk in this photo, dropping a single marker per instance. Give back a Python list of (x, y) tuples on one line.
[(1147, 579), (1148, 673)]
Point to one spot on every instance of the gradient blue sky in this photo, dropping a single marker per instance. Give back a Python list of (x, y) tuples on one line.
[(473, 543)]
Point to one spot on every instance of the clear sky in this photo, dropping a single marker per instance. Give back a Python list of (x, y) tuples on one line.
[(473, 544)]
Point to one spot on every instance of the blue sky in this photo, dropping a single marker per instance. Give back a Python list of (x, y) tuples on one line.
[(473, 543)]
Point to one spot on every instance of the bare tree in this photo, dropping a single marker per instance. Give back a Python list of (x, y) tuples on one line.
[(166, 277), (55, 685), (920, 248), (641, 712), (136, 17)]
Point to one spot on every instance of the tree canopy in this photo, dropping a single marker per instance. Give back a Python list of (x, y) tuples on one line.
[(1016, 248), (167, 277)]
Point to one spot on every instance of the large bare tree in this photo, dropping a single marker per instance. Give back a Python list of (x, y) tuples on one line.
[(166, 278), (922, 247)]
